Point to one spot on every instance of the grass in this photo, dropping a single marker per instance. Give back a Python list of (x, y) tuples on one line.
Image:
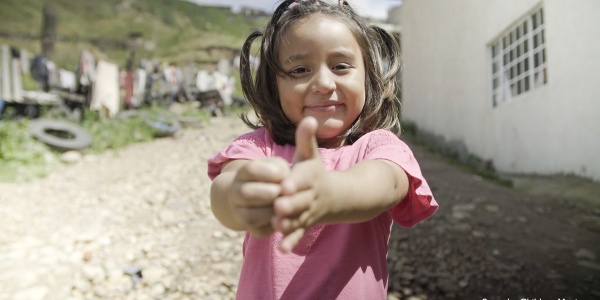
[(23, 158), (173, 30), (472, 163)]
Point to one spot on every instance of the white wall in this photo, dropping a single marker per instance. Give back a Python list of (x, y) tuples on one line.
[(446, 83)]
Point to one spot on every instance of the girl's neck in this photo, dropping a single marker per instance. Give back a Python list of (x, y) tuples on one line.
[(331, 143)]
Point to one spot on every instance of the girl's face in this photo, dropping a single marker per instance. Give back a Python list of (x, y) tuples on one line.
[(325, 76)]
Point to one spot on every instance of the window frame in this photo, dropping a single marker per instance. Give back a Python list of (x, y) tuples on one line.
[(518, 59)]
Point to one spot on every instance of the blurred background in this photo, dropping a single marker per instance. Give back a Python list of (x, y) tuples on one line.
[(109, 110)]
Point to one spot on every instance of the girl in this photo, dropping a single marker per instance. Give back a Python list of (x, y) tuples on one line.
[(320, 180)]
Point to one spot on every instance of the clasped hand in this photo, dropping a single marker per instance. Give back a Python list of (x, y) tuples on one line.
[(270, 195)]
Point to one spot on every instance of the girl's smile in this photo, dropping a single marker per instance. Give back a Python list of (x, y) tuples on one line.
[(327, 107), (324, 76)]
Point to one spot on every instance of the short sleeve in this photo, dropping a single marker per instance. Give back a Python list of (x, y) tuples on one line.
[(419, 203), (251, 145)]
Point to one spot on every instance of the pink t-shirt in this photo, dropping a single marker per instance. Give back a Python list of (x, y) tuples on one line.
[(337, 261)]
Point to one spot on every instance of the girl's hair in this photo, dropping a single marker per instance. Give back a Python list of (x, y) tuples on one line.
[(381, 55)]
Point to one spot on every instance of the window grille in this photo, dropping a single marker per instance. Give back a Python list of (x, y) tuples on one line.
[(518, 62)]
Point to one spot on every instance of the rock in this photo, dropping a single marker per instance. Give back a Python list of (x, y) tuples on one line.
[(492, 208), (393, 296), (478, 234), (71, 157), (589, 265), (460, 215), (468, 207), (585, 254), (82, 285), (448, 285), (462, 227), (93, 273), (153, 275), (38, 292)]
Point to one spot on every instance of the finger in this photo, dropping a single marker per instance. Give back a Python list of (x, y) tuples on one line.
[(288, 225), (254, 217), (276, 223), (306, 140), (293, 205), (255, 194), (285, 225), (302, 176), (273, 170), (291, 240)]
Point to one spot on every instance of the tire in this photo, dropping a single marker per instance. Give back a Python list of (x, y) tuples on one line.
[(163, 124), (60, 135), (189, 121)]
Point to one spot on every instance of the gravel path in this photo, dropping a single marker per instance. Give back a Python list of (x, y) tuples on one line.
[(75, 234)]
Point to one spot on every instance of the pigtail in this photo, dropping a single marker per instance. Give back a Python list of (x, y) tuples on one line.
[(390, 66), (246, 78), (390, 61), (383, 109), (264, 101)]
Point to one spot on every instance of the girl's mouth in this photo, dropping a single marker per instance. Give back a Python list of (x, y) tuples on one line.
[(326, 108)]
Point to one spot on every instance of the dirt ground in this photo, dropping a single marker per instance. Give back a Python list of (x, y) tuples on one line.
[(78, 233), (540, 240)]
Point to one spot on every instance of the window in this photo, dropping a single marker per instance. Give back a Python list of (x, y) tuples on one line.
[(519, 59)]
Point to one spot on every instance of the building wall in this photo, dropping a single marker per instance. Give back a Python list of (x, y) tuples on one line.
[(446, 83)]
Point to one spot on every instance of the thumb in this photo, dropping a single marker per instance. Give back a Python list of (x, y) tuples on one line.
[(306, 140)]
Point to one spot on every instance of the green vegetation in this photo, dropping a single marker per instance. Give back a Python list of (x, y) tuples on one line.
[(471, 163), (172, 30), (21, 156), (24, 158)]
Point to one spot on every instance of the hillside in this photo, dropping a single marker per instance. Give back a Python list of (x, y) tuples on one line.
[(173, 30)]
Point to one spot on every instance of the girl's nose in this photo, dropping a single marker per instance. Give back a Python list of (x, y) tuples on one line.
[(323, 82)]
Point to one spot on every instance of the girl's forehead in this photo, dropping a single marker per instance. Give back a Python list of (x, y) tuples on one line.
[(316, 27), (314, 2), (310, 38), (314, 21)]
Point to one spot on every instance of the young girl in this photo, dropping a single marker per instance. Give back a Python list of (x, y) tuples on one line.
[(320, 180)]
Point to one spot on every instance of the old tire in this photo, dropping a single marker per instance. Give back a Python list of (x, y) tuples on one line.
[(163, 124), (60, 135), (189, 121)]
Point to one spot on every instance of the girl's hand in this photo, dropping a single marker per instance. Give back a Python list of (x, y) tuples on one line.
[(254, 189), (304, 199)]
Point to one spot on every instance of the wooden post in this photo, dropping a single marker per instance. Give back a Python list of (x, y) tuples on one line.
[(49, 21)]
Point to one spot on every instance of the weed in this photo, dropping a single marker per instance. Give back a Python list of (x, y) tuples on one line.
[(21, 156)]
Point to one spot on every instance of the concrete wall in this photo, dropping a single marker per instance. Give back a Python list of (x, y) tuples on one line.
[(446, 83)]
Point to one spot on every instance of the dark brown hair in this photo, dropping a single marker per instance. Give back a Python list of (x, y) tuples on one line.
[(381, 55)]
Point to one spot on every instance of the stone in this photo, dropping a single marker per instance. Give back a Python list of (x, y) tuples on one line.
[(585, 254), (38, 292), (71, 157)]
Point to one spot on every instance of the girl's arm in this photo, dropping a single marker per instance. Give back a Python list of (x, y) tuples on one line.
[(242, 195), (218, 195), (365, 191)]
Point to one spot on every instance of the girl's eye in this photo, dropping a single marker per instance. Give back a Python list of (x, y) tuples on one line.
[(298, 70), (342, 67)]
